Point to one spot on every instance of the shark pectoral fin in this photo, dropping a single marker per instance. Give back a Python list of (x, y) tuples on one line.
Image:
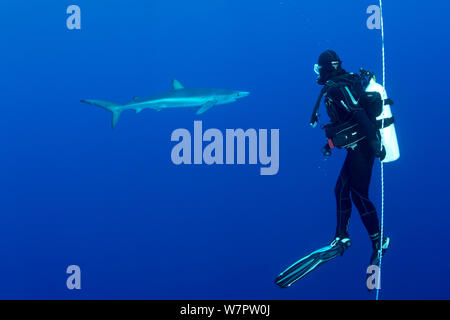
[(176, 85), (138, 110), (115, 116), (206, 106)]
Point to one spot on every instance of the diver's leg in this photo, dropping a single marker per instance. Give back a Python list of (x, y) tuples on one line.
[(361, 163), (343, 202)]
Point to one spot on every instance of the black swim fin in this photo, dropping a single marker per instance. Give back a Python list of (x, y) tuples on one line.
[(312, 261), (375, 259), (377, 253)]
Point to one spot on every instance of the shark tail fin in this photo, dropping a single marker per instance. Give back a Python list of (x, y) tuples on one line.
[(110, 106)]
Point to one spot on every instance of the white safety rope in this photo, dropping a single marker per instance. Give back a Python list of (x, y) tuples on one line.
[(380, 251)]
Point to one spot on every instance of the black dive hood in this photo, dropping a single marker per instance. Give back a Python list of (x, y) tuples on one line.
[(329, 65)]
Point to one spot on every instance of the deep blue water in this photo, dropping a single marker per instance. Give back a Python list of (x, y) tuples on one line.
[(74, 191)]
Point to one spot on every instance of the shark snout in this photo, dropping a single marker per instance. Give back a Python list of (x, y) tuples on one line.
[(243, 94)]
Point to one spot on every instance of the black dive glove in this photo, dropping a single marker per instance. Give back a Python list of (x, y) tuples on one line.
[(326, 150), (378, 149)]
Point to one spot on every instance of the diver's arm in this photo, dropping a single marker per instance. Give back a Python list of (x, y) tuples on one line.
[(340, 104), (359, 114), (369, 129)]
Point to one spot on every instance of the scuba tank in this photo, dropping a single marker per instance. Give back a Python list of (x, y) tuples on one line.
[(385, 119)]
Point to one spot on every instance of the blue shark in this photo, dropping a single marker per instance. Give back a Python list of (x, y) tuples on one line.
[(178, 97)]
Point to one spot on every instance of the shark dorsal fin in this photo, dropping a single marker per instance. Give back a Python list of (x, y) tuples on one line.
[(176, 85)]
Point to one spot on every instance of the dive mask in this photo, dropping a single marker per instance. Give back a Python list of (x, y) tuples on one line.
[(317, 69)]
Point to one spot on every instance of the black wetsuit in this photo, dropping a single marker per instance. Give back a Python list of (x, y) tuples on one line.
[(353, 183)]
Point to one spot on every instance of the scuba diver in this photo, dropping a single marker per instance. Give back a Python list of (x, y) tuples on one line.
[(353, 126)]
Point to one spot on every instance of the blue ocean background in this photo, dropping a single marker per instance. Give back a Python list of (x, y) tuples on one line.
[(74, 191)]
